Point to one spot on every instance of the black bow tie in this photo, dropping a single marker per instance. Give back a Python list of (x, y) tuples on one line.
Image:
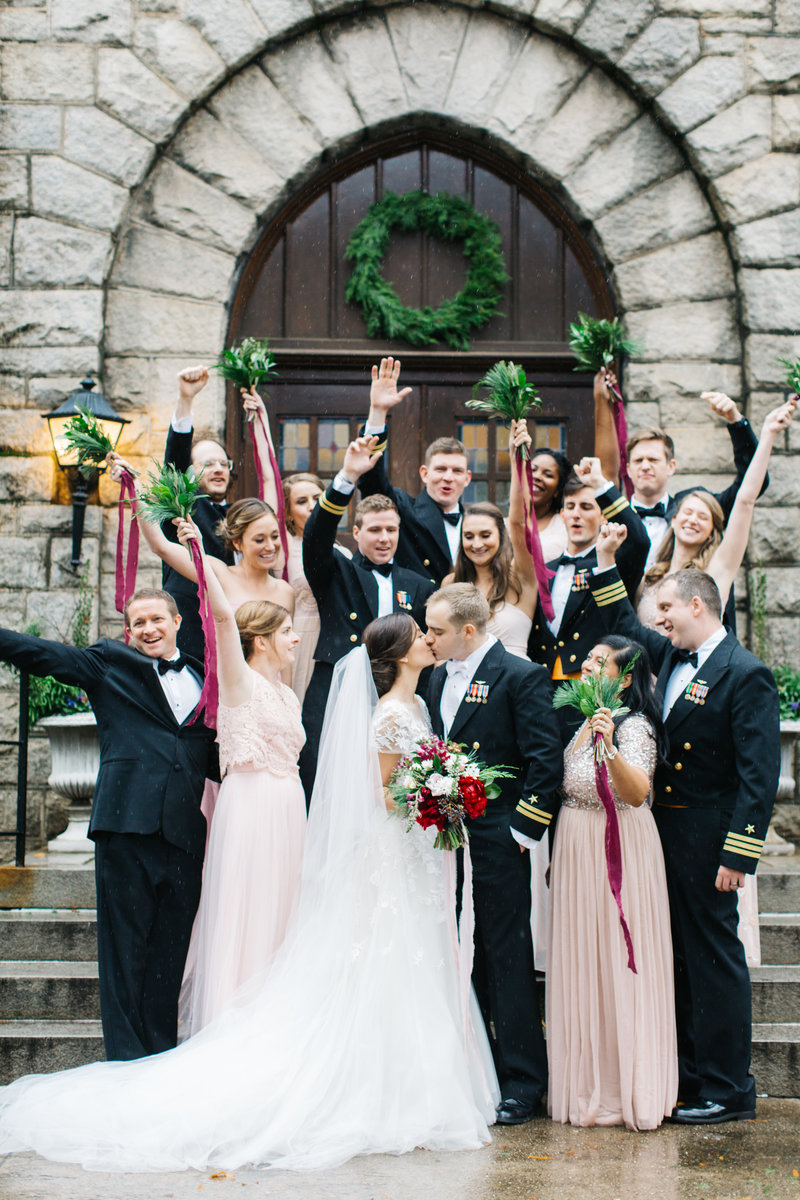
[(171, 664), (571, 560), (452, 518), (384, 569), (687, 656), (658, 510)]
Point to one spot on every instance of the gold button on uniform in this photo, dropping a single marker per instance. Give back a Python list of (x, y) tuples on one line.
[(426, 562), (667, 788), (572, 657), (678, 766), (476, 745), (687, 745), (575, 637), (353, 637), (561, 643), (353, 617)]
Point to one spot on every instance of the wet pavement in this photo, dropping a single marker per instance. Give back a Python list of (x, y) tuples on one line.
[(744, 1160)]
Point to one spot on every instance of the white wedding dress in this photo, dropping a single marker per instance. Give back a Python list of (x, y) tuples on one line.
[(351, 1042)]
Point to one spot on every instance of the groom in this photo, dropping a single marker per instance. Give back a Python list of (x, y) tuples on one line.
[(499, 705)]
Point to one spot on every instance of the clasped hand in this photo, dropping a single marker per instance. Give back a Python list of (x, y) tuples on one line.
[(602, 723)]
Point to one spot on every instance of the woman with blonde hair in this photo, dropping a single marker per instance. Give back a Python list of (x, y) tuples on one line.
[(255, 847)]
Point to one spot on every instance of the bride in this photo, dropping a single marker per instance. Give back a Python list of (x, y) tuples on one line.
[(352, 1041)]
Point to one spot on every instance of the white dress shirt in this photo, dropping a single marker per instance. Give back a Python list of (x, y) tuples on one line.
[(181, 424), (453, 533), (684, 673), (657, 527), (385, 593), (181, 688), (460, 673)]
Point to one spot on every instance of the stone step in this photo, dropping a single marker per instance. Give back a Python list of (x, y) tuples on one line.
[(49, 887), (56, 991), (780, 937), (67, 935), (36, 1047), (776, 993), (779, 885), (776, 1059)]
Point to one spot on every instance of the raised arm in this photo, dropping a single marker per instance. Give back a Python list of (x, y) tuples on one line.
[(232, 672), (729, 554), (383, 392), (178, 450), (253, 405), (518, 498), (319, 535), (606, 446), (743, 442)]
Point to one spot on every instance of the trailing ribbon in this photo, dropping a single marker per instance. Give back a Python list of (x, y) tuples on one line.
[(613, 847), (621, 426), (532, 540), (125, 569), (209, 696), (276, 475)]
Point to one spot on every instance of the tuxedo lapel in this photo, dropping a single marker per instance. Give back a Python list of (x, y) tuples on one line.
[(435, 689), (431, 517), (367, 582), (150, 676), (487, 673)]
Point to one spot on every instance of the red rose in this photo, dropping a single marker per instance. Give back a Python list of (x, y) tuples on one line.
[(473, 795), (429, 811)]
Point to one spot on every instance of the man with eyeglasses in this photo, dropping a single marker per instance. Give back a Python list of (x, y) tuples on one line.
[(206, 455)]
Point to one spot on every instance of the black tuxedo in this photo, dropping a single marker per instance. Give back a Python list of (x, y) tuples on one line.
[(148, 829), (422, 546), (346, 593), (515, 727), (583, 621), (206, 516), (712, 802)]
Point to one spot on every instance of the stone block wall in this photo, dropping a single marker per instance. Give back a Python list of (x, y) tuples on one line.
[(143, 144)]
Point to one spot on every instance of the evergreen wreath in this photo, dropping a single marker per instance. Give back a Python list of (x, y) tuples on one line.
[(451, 219)]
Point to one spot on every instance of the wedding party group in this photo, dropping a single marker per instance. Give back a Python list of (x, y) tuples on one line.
[(353, 805)]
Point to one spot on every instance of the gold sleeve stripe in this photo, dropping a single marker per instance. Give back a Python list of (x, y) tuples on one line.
[(329, 506), (381, 446), (749, 843), (741, 851), (609, 594), (615, 507), (534, 814)]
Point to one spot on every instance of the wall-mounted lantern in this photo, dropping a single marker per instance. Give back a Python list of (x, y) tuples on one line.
[(67, 457)]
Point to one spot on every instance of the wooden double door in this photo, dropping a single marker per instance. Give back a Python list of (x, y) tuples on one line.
[(292, 291)]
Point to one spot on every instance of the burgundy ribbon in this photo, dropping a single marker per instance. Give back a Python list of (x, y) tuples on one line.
[(621, 426), (125, 569), (613, 847), (276, 475), (532, 540), (209, 696)]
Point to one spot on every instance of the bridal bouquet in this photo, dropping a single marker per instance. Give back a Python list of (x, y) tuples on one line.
[(438, 784)]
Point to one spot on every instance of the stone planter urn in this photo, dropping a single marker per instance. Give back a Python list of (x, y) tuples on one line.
[(790, 731), (75, 752)]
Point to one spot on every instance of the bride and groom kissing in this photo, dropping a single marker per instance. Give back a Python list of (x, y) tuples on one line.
[(354, 1040)]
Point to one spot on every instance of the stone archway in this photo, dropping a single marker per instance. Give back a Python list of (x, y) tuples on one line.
[(308, 100)]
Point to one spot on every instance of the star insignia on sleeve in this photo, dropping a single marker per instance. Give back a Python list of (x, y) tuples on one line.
[(750, 829)]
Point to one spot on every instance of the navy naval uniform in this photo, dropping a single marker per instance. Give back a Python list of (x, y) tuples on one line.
[(346, 592), (507, 718), (713, 798)]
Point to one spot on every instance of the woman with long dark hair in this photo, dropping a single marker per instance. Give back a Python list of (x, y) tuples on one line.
[(611, 1041)]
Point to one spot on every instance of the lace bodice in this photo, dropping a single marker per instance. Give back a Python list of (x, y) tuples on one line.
[(397, 727), (264, 733), (512, 628), (637, 745)]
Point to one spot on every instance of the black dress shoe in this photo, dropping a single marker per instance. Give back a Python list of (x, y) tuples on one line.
[(516, 1112), (709, 1112)]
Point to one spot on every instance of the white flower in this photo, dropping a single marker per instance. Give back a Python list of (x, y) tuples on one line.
[(408, 783), (438, 784)]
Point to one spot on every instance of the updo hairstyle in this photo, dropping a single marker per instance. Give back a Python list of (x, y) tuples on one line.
[(258, 618), (387, 639), (241, 514)]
